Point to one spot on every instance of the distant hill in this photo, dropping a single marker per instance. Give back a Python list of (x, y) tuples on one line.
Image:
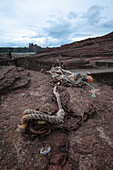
[(99, 46)]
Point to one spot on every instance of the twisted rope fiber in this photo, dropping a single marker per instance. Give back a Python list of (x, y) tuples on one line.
[(66, 78), (33, 114), (72, 82), (62, 76)]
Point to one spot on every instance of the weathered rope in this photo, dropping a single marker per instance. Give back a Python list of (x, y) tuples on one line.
[(64, 77), (37, 115), (65, 71), (74, 82), (33, 114), (57, 70), (94, 91)]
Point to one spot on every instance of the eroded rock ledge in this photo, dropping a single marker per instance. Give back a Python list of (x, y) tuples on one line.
[(12, 77), (90, 147)]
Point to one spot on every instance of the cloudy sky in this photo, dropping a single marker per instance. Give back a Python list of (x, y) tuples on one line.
[(53, 22)]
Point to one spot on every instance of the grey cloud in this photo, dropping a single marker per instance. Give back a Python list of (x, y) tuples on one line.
[(82, 35), (66, 28), (37, 36), (108, 24), (93, 14), (62, 41), (14, 44), (34, 37), (72, 15), (60, 29), (49, 43), (59, 32), (57, 43)]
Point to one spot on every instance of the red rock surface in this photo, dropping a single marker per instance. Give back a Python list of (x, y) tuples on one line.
[(80, 54), (89, 147), (12, 77)]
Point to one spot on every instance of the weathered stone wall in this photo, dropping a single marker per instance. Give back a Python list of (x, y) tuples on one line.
[(32, 64)]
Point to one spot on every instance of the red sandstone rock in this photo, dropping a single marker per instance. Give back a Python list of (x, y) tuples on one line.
[(12, 78), (81, 54), (89, 147)]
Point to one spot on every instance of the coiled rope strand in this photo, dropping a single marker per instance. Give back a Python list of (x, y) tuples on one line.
[(34, 114)]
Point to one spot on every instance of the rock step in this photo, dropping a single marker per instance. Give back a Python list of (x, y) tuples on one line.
[(12, 77)]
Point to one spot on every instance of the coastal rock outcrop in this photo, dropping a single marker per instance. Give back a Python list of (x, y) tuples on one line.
[(88, 147), (12, 77)]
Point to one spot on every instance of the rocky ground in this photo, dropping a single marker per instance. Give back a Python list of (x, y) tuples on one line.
[(12, 78), (88, 147), (80, 54)]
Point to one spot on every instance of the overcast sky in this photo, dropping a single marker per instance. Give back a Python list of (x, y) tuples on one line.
[(53, 22)]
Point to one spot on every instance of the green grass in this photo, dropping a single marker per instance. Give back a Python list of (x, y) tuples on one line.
[(59, 55), (110, 50)]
